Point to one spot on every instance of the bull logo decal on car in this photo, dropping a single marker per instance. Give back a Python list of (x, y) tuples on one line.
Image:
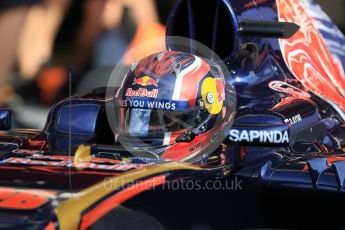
[(145, 81)]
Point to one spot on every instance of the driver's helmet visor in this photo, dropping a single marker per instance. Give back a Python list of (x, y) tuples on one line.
[(153, 123), (144, 122)]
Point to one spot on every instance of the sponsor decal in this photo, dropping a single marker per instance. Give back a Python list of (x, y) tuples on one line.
[(197, 146), (259, 136), (293, 120), (145, 81), (155, 104), (141, 92)]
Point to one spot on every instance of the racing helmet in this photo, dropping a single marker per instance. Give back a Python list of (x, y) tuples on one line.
[(172, 104)]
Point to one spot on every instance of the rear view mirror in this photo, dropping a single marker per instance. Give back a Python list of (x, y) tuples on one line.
[(5, 119)]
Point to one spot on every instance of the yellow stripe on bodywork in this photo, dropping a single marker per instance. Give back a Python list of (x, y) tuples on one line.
[(69, 212), (83, 154)]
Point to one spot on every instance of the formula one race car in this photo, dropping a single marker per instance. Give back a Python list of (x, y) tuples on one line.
[(250, 134)]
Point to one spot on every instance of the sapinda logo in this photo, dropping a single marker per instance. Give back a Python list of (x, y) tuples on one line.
[(256, 136)]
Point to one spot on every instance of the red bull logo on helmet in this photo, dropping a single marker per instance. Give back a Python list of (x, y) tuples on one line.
[(141, 92), (145, 81)]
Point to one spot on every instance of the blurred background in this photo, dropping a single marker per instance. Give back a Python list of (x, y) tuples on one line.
[(43, 41)]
